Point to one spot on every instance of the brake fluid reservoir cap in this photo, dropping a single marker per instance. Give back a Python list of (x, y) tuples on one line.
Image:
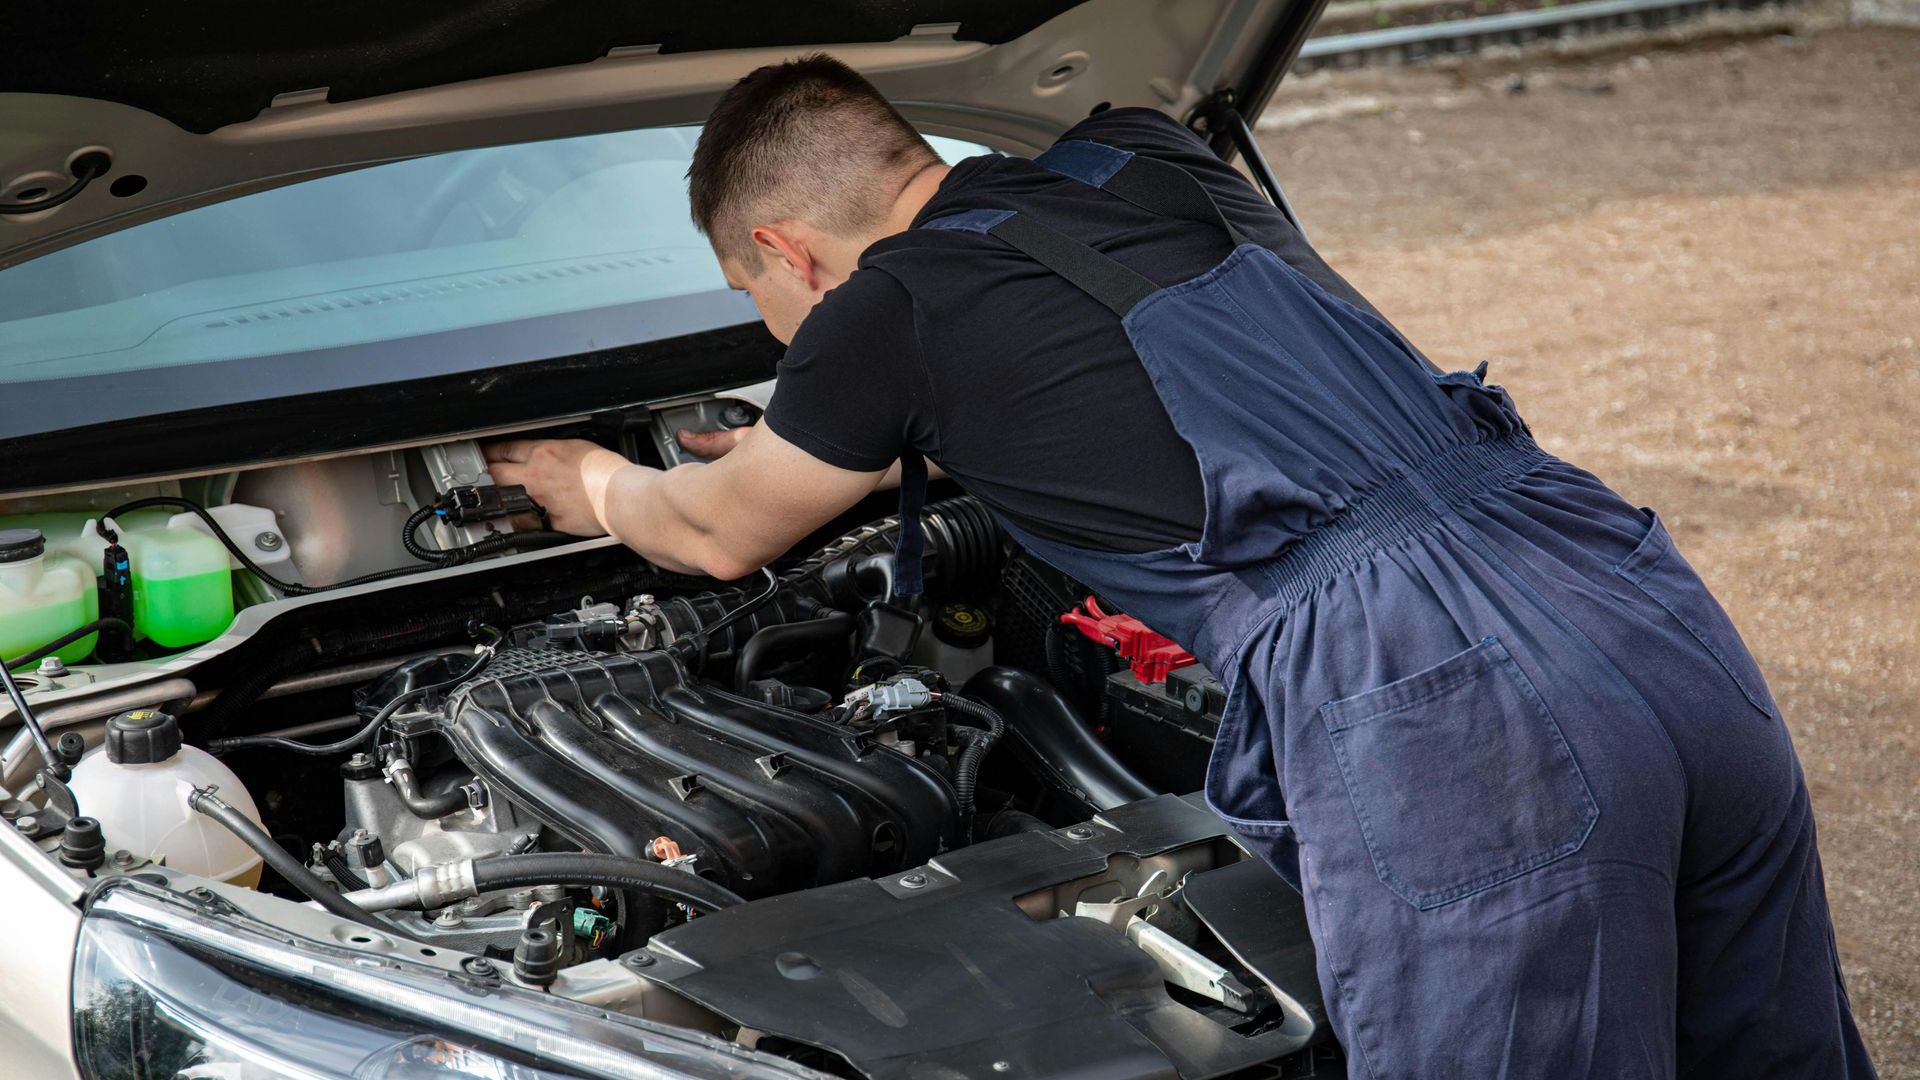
[(142, 737), (963, 626), (19, 545)]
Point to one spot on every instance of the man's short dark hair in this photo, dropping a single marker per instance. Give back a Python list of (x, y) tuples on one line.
[(808, 140)]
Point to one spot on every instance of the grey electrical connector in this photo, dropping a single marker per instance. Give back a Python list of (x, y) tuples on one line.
[(899, 695)]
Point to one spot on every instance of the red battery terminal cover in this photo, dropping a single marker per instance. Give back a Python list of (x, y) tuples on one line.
[(1151, 654)]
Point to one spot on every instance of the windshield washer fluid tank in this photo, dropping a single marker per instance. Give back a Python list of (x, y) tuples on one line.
[(182, 574), (43, 595), (182, 581)]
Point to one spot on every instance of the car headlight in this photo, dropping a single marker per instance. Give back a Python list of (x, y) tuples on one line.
[(164, 990)]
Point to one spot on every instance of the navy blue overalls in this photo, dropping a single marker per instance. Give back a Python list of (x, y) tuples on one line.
[(1542, 807)]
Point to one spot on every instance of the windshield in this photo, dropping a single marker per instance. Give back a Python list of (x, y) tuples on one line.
[(451, 263)]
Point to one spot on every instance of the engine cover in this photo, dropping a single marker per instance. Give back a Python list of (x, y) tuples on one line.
[(614, 750), (964, 969)]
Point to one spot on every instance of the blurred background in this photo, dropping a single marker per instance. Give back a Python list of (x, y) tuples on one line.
[(1687, 238)]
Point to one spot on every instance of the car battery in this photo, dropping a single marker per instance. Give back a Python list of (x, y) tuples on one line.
[(1165, 730)]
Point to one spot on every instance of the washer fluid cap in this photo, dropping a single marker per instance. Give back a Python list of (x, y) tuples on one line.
[(19, 545)]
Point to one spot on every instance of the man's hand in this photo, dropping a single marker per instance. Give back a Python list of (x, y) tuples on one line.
[(725, 519), (566, 476)]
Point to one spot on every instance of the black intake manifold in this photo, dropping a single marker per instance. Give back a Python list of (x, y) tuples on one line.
[(611, 751)]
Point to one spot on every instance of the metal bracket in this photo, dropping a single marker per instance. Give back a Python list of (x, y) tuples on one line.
[(1183, 966), (1179, 963), (1117, 913)]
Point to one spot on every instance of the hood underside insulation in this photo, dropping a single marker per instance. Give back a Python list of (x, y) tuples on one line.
[(206, 65)]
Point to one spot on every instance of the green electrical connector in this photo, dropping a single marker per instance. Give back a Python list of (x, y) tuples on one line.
[(590, 926)]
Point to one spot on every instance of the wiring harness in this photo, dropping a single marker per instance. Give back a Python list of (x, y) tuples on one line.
[(468, 504)]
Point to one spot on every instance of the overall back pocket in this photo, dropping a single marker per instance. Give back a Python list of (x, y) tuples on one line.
[(1460, 777)]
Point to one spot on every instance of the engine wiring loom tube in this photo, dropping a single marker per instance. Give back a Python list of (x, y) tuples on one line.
[(966, 771)]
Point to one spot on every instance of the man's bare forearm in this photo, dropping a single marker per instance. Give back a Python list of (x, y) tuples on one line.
[(716, 444), (668, 516), (728, 518)]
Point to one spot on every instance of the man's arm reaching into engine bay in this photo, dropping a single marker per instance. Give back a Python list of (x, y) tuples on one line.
[(725, 519), (713, 444)]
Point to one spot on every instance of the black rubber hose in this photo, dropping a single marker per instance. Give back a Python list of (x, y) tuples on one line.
[(1010, 822), (966, 771), (66, 639), (695, 646), (742, 610), (426, 807), (771, 642), (1051, 739), (237, 697), (245, 742), (963, 552), (86, 168), (963, 544), (967, 540), (612, 871), (206, 802)]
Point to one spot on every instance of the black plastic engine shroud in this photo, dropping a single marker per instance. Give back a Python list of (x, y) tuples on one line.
[(942, 972), (614, 750)]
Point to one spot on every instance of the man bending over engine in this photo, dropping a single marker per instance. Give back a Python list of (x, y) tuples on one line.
[(1545, 815)]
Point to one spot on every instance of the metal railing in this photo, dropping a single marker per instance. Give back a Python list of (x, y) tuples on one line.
[(1414, 44)]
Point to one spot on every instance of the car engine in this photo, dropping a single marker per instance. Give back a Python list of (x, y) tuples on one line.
[(730, 733), (877, 837)]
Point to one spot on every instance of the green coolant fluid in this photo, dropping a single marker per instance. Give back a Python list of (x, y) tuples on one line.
[(184, 610), (43, 595), (182, 583)]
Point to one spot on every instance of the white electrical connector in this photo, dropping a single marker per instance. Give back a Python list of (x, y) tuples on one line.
[(899, 695)]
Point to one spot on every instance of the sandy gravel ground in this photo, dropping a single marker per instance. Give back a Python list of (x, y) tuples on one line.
[(1699, 274)]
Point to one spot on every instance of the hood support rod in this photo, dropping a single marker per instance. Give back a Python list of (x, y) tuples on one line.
[(1219, 116)]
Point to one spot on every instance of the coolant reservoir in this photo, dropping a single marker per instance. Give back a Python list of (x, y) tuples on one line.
[(136, 785), (42, 596)]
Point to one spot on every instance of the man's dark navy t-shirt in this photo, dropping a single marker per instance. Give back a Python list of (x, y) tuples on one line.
[(1019, 385)]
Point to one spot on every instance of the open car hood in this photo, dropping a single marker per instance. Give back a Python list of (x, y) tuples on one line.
[(237, 97)]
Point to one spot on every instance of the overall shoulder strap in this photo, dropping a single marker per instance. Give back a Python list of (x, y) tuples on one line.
[(1154, 185), (1157, 186), (1105, 279), (909, 547)]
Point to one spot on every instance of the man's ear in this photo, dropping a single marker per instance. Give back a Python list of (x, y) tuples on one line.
[(785, 250)]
